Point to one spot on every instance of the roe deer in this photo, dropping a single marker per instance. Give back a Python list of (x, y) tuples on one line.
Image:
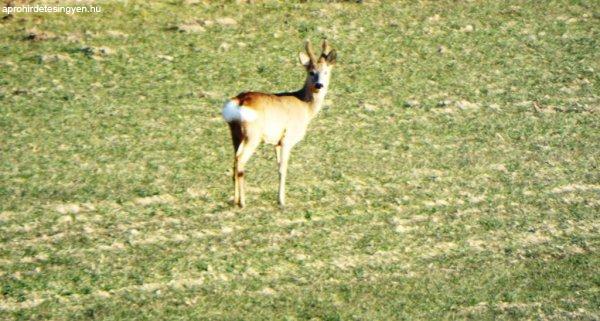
[(280, 119)]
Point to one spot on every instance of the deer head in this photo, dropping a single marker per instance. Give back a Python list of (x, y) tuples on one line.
[(318, 70)]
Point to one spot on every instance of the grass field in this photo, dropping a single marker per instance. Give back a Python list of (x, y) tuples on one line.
[(453, 173)]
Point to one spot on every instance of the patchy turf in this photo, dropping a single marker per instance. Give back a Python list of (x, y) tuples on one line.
[(452, 175)]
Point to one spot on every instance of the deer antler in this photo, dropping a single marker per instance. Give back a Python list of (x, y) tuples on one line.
[(326, 48), (310, 52)]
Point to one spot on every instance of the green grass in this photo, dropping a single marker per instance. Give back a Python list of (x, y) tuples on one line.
[(452, 175)]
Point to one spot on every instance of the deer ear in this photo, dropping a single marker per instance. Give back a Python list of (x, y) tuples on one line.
[(331, 57), (304, 59)]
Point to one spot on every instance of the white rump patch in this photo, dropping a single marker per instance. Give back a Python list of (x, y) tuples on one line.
[(231, 111), (234, 112)]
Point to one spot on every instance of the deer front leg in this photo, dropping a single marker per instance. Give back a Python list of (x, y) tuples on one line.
[(283, 164), (278, 153)]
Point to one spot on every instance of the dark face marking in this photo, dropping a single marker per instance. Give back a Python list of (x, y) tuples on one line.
[(318, 74)]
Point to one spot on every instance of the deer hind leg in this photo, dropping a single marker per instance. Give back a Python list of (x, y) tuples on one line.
[(284, 157), (237, 137), (245, 151)]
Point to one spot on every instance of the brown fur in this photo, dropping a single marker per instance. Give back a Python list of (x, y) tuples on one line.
[(236, 134), (281, 119)]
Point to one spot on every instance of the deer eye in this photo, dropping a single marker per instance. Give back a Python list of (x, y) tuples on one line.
[(312, 73)]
